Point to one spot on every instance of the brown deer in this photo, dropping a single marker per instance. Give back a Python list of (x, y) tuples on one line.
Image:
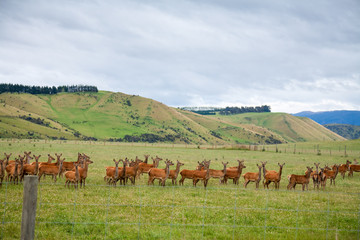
[(203, 175), (353, 168), (265, 171), (300, 179), (343, 168), (83, 171), (218, 173), (145, 167), (72, 177), (7, 159), (331, 174), (112, 173), (315, 175), (234, 174), (131, 172), (236, 167), (13, 171), (161, 174), (2, 171), (31, 169), (188, 174), (253, 177), (273, 177), (28, 157), (174, 173), (51, 170)]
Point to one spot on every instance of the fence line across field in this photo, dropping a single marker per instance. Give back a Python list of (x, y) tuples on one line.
[(204, 207)]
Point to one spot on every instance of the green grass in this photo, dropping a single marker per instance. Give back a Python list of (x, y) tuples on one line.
[(184, 212)]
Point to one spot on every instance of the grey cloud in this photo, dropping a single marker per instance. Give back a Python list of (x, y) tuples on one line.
[(188, 52)]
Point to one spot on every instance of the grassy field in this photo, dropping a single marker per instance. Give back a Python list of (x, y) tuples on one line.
[(185, 212)]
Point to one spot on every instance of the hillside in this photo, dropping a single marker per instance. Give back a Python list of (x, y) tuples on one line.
[(333, 117), (290, 128), (121, 117), (345, 130)]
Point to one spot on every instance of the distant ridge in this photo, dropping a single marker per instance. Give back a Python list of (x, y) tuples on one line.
[(333, 117)]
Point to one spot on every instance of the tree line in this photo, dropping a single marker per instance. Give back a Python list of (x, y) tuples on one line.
[(233, 110), (19, 88)]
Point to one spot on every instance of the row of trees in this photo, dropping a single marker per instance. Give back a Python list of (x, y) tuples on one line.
[(19, 88), (238, 110), (233, 110)]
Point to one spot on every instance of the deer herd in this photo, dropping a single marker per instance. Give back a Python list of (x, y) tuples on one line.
[(76, 172)]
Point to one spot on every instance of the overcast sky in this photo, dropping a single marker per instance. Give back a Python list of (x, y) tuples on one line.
[(291, 55)]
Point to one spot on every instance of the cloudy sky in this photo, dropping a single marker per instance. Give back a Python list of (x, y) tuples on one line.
[(291, 55)]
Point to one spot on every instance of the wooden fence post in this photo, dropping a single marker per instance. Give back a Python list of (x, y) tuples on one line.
[(29, 207)]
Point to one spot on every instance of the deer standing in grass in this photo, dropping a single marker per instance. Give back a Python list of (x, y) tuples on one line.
[(188, 174), (7, 162), (13, 171), (203, 175), (343, 168), (2, 171), (112, 173), (83, 171), (51, 170), (331, 174), (31, 169), (234, 174), (353, 168), (218, 173), (72, 177), (174, 173), (273, 177), (161, 174), (253, 177), (300, 179), (131, 172), (316, 176), (144, 167)]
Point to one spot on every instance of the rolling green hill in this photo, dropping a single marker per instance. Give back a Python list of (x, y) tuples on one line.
[(121, 117)]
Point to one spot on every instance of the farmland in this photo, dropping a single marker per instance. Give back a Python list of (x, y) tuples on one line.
[(185, 212)]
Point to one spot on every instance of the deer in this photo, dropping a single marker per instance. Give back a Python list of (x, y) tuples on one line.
[(265, 171), (273, 177), (189, 173), (353, 168), (31, 169), (83, 171), (218, 173), (7, 159), (50, 159), (300, 179), (72, 177), (315, 175), (145, 167), (131, 172), (112, 173), (161, 174), (234, 174), (253, 177), (13, 171), (174, 173), (51, 170), (235, 167), (28, 157), (203, 175), (331, 174), (2, 171), (343, 168)]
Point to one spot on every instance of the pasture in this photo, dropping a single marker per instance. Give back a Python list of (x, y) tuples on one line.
[(184, 212)]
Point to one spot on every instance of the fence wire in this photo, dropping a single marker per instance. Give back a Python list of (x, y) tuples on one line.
[(183, 212)]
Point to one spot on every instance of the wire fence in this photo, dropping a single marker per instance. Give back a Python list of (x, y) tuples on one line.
[(182, 212)]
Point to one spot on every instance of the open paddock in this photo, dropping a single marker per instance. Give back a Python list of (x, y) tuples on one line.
[(230, 211)]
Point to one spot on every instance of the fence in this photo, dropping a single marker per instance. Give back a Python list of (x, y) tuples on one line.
[(182, 212)]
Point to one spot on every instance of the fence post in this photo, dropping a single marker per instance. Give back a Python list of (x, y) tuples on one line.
[(29, 207)]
